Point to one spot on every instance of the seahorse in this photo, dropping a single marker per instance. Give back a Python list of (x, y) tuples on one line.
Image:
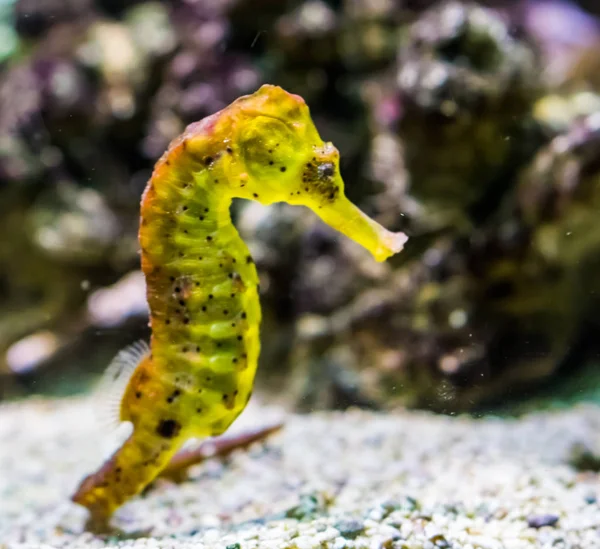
[(197, 374)]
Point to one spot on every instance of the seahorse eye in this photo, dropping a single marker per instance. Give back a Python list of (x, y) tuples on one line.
[(326, 170)]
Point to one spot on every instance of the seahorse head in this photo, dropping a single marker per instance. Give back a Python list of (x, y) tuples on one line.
[(282, 152)]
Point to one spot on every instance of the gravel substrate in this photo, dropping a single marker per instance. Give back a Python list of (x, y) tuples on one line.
[(342, 480)]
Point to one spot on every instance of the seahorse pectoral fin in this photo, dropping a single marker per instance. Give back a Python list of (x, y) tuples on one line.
[(110, 392), (345, 217)]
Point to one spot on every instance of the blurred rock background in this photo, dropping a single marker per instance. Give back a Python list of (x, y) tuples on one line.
[(472, 126)]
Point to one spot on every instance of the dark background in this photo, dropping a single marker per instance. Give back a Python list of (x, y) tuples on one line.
[(474, 127)]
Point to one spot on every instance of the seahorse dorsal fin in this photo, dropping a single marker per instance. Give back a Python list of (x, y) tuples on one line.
[(113, 384)]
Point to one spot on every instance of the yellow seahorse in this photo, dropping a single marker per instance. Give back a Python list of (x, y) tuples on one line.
[(202, 286)]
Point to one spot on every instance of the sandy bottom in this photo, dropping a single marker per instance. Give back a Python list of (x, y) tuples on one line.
[(340, 480)]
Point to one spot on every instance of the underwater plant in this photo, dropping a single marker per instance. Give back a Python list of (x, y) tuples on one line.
[(196, 376)]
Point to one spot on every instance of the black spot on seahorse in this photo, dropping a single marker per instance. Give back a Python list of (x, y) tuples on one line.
[(168, 428), (173, 396), (229, 400)]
